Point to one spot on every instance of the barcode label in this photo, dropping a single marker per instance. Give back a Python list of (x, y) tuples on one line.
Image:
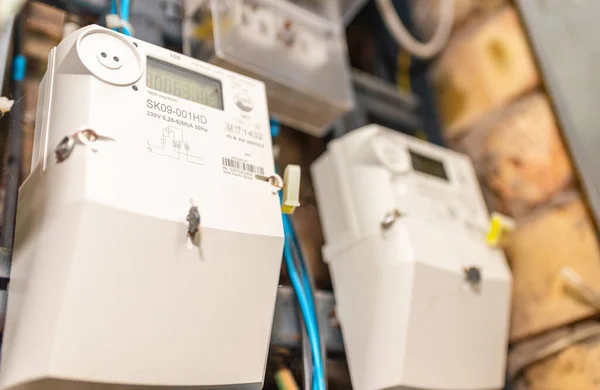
[(254, 169)]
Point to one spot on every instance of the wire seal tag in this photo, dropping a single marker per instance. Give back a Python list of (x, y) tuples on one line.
[(291, 189), (114, 21), (500, 226)]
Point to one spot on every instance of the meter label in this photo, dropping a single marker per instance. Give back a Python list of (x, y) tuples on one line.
[(168, 109), (176, 115), (244, 135), (175, 143), (238, 167), (194, 136)]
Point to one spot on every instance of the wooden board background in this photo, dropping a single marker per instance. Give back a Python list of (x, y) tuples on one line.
[(538, 249), (519, 156), (576, 368), (484, 67)]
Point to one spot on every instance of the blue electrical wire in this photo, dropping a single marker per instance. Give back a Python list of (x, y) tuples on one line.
[(124, 14), (19, 67), (304, 293), (125, 5), (113, 9), (309, 297), (275, 129), (309, 318), (292, 241), (299, 263), (287, 226)]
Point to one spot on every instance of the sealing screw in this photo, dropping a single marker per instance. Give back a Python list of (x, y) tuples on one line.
[(473, 276), (193, 221)]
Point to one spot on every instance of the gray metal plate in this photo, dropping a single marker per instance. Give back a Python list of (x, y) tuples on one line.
[(286, 331), (564, 35)]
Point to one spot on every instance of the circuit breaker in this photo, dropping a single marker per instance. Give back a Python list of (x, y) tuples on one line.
[(148, 240), (422, 300), (297, 47)]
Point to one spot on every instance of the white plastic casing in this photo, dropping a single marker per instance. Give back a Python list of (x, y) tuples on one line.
[(297, 47), (106, 290), (408, 315)]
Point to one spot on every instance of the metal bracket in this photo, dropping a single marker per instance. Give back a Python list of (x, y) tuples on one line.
[(286, 331)]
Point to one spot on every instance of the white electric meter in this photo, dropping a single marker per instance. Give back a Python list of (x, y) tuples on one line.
[(422, 300), (297, 47), (147, 251)]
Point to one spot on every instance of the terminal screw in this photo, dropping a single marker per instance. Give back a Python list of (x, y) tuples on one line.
[(64, 148), (473, 276), (390, 219), (67, 144), (193, 221)]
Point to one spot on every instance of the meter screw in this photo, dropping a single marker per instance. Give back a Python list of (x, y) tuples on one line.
[(193, 237), (390, 219), (287, 34), (193, 221), (473, 276), (64, 148), (67, 144), (274, 180)]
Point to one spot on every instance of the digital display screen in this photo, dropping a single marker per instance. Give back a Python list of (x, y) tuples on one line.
[(428, 165), (183, 83)]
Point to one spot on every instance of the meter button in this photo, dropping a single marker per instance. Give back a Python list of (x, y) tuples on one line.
[(244, 102), (387, 153), (109, 56), (111, 62)]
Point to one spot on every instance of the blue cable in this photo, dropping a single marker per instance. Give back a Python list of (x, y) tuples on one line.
[(291, 242), (287, 227), (275, 128), (19, 67), (307, 286), (309, 319), (125, 15), (113, 10), (301, 284)]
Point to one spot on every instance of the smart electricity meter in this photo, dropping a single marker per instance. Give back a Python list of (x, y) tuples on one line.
[(148, 243), (422, 300)]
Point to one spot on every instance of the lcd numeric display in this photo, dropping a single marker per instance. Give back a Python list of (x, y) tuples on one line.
[(428, 165), (183, 83)]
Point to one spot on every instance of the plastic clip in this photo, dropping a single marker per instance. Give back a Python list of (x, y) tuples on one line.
[(500, 225), (114, 21), (290, 198)]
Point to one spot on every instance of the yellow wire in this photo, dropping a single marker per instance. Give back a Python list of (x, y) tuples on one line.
[(403, 73), (285, 380), (404, 60)]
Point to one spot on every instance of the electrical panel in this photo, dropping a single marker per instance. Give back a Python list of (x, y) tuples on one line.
[(422, 300)]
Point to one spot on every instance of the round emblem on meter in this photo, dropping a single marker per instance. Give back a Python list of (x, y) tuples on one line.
[(389, 155), (109, 56), (244, 102)]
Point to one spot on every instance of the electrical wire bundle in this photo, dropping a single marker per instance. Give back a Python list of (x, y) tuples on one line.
[(403, 37), (298, 273), (313, 348), (121, 8)]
